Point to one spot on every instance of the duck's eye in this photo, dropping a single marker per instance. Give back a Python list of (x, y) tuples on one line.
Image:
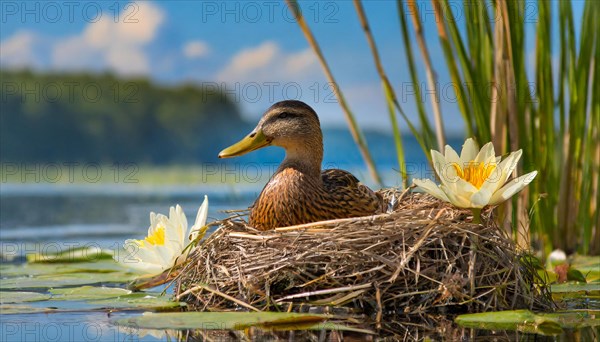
[(285, 115)]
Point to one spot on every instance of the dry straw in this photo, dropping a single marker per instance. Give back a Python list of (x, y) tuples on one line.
[(423, 257)]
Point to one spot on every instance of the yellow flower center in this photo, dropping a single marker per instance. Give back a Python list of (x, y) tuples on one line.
[(475, 172), (157, 238)]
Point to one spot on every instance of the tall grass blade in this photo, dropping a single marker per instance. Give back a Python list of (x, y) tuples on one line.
[(554, 117), (431, 78), (351, 120), (387, 90), (426, 131)]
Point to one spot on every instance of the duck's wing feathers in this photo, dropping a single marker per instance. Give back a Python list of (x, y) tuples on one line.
[(333, 178), (350, 193)]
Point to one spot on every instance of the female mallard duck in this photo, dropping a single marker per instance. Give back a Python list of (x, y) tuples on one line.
[(299, 192)]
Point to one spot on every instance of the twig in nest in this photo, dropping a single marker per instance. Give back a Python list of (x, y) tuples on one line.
[(327, 291), (217, 292)]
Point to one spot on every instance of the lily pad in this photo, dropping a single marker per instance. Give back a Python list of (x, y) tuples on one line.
[(101, 298), (138, 300), (87, 293), (35, 269), (589, 289), (26, 270), (11, 297), (62, 280), (527, 321), (575, 275), (22, 309), (222, 320), (589, 266), (576, 295), (79, 254)]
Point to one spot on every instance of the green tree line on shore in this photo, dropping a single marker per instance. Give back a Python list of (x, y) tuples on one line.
[(101, 118)]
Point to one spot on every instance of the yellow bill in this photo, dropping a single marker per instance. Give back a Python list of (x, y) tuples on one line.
[(252, 142)]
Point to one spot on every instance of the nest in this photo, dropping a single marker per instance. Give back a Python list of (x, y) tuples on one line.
[(422, 257)]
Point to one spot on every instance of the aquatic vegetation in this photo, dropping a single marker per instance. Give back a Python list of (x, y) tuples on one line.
[(476, 178), (530, 322), (167, 240), (544, 104)]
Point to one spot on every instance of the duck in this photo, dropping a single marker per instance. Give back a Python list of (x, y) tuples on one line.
[(299, 191)]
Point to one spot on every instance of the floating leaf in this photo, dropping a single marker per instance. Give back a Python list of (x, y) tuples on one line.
[(62, 280), (527, 321), (575, 275), (27, 270), (94, 298), (589, 266), (22, 309), (222, 320), (138, 300), (576, 294), (10, 297), (87, 293), (79, 254), (591, 288)]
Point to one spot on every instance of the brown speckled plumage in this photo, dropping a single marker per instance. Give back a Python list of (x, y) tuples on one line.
[(299, 192)]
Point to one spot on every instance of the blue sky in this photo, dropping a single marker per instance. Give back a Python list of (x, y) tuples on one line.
[(253, 50)]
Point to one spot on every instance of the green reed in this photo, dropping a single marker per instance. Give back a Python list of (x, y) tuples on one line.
[(352, 125), (553, 116)]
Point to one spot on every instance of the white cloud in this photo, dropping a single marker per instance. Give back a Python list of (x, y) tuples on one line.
[(18, 51), (195, 49), (301, 61), (267, 63), (118, 46)]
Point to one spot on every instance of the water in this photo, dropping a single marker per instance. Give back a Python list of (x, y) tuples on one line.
[(98, 215)]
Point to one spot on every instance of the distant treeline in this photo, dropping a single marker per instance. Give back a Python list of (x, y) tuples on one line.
[(104, 119)]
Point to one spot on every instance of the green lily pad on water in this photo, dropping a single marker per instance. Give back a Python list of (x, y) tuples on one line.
[(589, 289), (79, 254), (528, 322), (87, 293), (222, 320), (114, 298), (22, 309), (63, 280), (88, 298), (137, 301), (589, 266), (36, 269), (12, 297)]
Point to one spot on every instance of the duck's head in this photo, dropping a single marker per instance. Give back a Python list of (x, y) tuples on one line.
[(293, 125)]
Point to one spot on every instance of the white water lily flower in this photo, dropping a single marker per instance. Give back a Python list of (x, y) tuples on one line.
[(167, 239), (476, 178)]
